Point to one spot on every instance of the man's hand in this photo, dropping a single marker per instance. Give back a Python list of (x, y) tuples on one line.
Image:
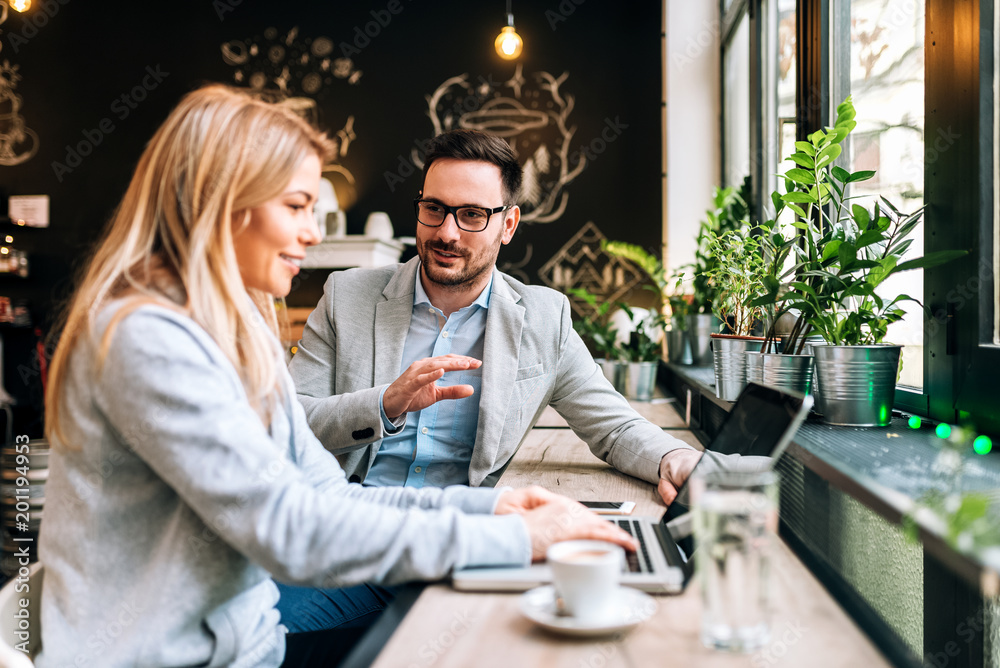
[(522, 500), (417, 388), (561, 519), (675, 467)]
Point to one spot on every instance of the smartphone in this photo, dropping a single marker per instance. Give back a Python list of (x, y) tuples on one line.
[(610, 507)]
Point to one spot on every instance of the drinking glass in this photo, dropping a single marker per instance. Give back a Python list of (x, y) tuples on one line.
[(735, 521)]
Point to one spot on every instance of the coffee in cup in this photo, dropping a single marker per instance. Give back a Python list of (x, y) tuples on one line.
[(585, 574)]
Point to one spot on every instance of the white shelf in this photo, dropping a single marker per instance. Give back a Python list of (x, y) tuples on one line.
[(353, 251)]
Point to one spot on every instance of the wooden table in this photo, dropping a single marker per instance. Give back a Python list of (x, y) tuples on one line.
[(450, 629)]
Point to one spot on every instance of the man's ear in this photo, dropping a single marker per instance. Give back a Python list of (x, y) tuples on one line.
[(511, 218)]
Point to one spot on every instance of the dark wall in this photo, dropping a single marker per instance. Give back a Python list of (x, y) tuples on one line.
[(76, 60)]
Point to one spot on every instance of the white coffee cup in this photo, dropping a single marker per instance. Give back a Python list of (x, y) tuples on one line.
[(585, 574)]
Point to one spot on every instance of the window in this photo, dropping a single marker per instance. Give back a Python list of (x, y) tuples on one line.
[(736, 104), (780, 80), (996, 179), (887, 83)]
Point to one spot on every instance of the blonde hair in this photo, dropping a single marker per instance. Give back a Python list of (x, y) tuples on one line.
[(220, 153)]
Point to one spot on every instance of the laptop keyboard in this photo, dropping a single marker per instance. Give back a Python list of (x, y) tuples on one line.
[(637, 562)]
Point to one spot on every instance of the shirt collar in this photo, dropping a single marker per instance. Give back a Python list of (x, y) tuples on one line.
[(420, 295)]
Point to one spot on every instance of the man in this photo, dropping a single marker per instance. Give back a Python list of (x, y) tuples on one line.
[(386, 347)]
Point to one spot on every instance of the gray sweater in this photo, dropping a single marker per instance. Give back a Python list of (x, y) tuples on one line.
[(164, 526)]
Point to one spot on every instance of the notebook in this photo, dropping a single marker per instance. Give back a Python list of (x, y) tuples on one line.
[(762, 422)]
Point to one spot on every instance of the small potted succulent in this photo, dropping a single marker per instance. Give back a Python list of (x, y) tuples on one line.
[(642, 352), (599, 333), (737, 272), (668, 290), (843, 254), (729, 210)]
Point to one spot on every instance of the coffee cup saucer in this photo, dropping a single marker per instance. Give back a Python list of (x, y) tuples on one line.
[(631, 607)]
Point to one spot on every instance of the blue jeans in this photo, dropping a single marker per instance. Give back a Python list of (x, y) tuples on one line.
[(325, 624), (310, 609)]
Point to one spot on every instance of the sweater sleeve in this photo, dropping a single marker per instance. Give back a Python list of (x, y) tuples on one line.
[(173, 398)]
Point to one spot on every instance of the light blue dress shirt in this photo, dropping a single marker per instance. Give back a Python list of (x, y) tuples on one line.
[(434, 446)]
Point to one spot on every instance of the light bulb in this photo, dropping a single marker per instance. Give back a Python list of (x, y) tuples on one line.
[(508, 43), (20, 5)]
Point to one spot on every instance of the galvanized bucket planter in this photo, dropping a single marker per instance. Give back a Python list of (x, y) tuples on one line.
[(808, 350), (699, 331), (787, 372), (730, 356), (616, 372), (859, 384), (640, 380), (677, 346)]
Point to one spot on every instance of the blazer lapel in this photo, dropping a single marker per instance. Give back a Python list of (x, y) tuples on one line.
[(392, 322), (500, 354)]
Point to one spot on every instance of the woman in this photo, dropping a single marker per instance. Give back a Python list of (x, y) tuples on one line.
[(184, 474)]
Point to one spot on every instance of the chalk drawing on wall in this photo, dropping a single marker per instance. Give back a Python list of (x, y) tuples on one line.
[(516, 269), (581, 263), (532, 114), (18, 142), (300, 70)]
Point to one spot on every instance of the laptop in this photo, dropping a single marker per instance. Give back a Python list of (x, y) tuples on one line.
[(762, 422)]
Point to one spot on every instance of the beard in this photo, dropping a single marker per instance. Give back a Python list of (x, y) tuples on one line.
[(467, 270)]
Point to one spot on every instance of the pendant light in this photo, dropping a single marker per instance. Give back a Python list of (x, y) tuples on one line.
[(508, 43)]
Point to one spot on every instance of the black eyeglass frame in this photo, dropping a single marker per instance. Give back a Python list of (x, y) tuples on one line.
[(453, 210)]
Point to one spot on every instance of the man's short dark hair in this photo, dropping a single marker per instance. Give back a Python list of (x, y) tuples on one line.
[(476, 145)]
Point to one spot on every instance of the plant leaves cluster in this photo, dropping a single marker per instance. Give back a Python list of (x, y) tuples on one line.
[(738, 273), (829, 268), (597, 329)]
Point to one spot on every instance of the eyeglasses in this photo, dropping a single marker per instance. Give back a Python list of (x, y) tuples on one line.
[(468, 218)]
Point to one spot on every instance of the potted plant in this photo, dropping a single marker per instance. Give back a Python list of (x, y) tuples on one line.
[(601, 336), (668, 290), (642, 352), (737, 272), (844, 253), (729, 209)]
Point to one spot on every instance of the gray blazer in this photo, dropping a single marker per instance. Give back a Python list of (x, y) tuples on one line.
[(352, 347)]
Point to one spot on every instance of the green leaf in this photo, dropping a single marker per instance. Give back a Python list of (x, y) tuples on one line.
[(860, 214), (831, 249), (776, 200), (868, 238), (843, 129), (899, 249), (845, 111), (805, 147), (801, 176), (847, 254), (802, 159), (828, 155), (931, 260), (797, 209), (861, 176), (886, 268), (798, 198), (841, 174)]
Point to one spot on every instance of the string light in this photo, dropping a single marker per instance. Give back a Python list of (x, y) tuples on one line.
[(914, 422), (943, 430), (982, 445), (20, 5), (508, 43)]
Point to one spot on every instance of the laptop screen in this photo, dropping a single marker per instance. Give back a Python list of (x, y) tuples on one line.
[(757, 425)]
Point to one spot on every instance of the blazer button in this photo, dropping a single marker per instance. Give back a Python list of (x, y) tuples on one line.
[(362, 434), (354, 478)]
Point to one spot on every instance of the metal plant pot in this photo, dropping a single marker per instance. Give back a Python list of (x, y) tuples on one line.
[(677, 346), (699, 337), (859, 384), (786, 372), (616, 372), (808, 350), (641, 380), (730, 356)]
